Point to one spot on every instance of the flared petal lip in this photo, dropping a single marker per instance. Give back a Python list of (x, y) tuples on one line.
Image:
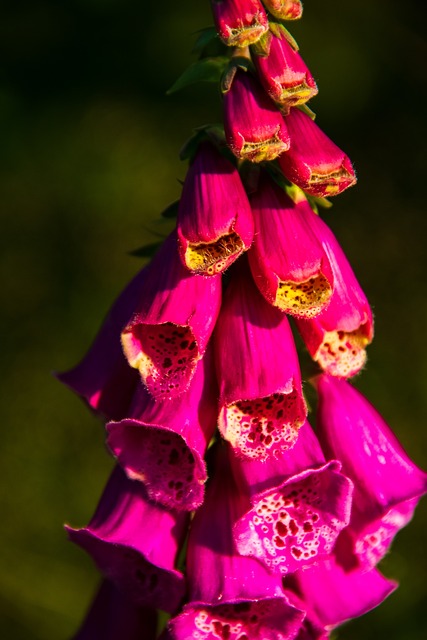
[(192, 608), (170, 596), (193, 501)]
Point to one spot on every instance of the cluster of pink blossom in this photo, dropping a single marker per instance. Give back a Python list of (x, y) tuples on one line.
[(286, 540)]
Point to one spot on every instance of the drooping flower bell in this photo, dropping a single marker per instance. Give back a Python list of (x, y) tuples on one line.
[(388, 485), (239, 22), (103, 378), (135, 543), (284, 74), (314, 163), (296, 518), (260, 397), (254, 127), (113, 616), (284, 9), (337, 338), (172, 324), (230, 596), (214, 223), (289, 263), (162, 443), (331, 595)]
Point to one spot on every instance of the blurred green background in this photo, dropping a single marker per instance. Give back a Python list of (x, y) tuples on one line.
[(88, 159)]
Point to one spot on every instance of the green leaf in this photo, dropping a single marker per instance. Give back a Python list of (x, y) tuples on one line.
[(146, 251), (205, 37), (171, 210), (205, 70)]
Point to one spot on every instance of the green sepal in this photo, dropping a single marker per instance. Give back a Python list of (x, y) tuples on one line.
[(280, 31), (171, 210), (147, 250), (316, 202), (204, 70), (212, 132), (261, 48), (309, 112), (236, 62)]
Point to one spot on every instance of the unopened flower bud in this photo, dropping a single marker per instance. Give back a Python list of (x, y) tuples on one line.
[(314, 162), (284, 9), (284, 74), (239, 22), (254, 127)]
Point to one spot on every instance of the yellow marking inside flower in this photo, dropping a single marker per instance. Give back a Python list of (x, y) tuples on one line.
[(244, 35), (298, 94), (304, 299), (333, 180), (210, 258), (265, 150), (343, 354)]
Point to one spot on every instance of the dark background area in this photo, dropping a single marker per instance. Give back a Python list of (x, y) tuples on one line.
[(88, 159)]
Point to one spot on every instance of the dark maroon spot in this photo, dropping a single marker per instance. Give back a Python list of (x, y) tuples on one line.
[(296, 552), (307, 526), (293, 527), (184, 344), (173, 456), (281, 529), (279, 542), (192, 346), (167, 362)]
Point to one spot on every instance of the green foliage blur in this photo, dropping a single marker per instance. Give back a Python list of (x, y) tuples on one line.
[(88, 160)]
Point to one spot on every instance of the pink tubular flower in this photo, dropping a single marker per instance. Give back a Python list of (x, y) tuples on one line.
[(162, 443), (289, 264), (230, 596), (296, 520), (284, 9), (103, 378), (239, 22), (214, 220), (261, 402), (284, 74), (388, 484), (171, 327), (135, 543), (314, 163), (338, 337), (254, 127), (332, 595), (112, 616)]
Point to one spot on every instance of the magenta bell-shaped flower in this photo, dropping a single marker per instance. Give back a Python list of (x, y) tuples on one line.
[(103, 378), (239, 22), (260, 396), (254, 127), (230, 596), (330, 595), (337, 338), (388, 485), (112, 616), (284, 9), (135, 543), (162, 443), (289, 263), (284, 74), (296, 520), (214, 223), (314, 163), (172, 324)]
